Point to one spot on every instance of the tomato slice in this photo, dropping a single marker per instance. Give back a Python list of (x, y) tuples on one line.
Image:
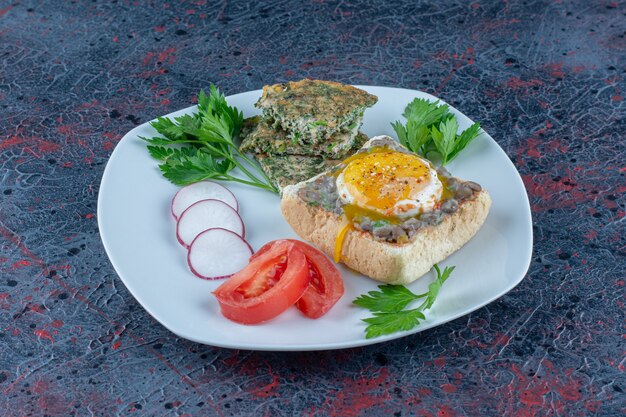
[(270, 284), (325, 286)]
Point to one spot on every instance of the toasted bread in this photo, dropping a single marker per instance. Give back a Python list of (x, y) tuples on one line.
[(389, 262)]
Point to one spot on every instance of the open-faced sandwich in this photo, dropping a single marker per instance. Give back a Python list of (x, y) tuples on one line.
[(386, 212)]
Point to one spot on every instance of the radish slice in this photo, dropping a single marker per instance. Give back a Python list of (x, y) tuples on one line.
[(207, 214), (203, 190), (218, 253)]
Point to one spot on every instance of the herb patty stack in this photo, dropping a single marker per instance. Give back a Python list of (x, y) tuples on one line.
[(306, 127)]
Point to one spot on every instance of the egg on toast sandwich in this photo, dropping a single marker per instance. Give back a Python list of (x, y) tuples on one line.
[(386, 212)]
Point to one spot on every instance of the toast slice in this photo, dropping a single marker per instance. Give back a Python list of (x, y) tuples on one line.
[(389, 262)]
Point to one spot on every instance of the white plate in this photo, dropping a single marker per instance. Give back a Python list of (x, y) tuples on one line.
[(138, 233)]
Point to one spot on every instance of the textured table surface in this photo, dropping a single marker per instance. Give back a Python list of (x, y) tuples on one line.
[(546, 78)]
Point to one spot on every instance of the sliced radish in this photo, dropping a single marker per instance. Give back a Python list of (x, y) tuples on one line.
[(203, 190), (207, 214), (218, 253)]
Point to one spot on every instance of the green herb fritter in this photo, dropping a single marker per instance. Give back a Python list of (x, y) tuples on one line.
[(285, 169), (311, 111), (259, 137)]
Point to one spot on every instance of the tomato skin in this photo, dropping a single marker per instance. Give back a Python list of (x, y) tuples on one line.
[(317, 300), (262, 305), (321, 295)]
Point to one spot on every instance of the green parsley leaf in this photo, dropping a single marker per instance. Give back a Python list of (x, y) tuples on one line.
[(188, 124), (431, 127), (424, 112), (203, 102), (168, 128), (186, 169), (215, 129), (159, 152), (388, 306), (215, 105), (390, 299), (435, 286), (158, 141), (204, 145), (174, 155), (413, 137), (388, 323), (444, 137), (464, 139), (401, 132)]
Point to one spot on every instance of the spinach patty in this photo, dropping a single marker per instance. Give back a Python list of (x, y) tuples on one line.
[(287, 169), (260, 137), (311, 111)]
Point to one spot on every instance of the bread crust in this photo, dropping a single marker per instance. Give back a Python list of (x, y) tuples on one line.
[(391, 263)]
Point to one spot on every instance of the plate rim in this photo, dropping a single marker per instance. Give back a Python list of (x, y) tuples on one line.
[(325, 346)]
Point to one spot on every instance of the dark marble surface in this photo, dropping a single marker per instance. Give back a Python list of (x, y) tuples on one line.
[(546, 78)]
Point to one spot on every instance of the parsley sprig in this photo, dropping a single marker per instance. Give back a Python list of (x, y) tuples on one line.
[(202, 146), (431, 127), (388, 306)]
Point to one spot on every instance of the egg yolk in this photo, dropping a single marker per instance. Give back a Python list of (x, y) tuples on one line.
[(381, 178)]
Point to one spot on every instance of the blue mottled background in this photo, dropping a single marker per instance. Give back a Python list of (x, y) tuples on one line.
[(546, 78)]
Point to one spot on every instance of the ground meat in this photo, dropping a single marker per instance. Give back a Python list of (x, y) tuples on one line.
[(322, 192), (474, 186), (432, 218), (413, 224), (366, 224), (461, 190), (393, 232), (389, 232), (449, 206)]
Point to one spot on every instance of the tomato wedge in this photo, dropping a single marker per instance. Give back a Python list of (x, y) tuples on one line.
[(325, 286), (270, 284)]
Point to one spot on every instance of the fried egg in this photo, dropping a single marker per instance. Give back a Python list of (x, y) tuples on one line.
[(390, 183)]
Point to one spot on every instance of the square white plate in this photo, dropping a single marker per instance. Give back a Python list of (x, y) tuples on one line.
[(138, 233)]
